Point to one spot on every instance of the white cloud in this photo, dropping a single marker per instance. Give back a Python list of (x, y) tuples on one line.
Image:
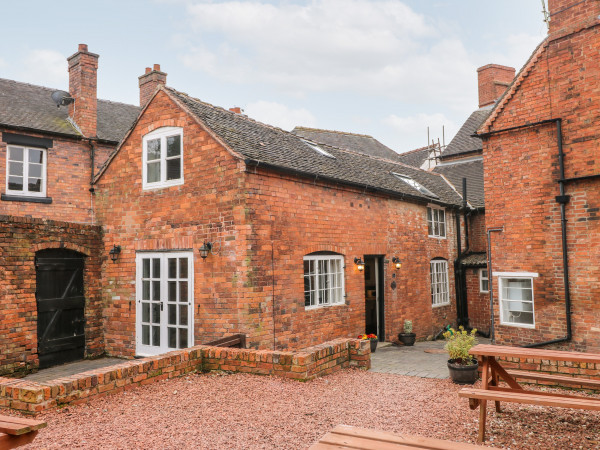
[(45, 67), (280, 115), (411, 131), (370, 47)]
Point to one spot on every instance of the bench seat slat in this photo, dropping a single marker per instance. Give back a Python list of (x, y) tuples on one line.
[(551, 377), (8, 441), (17, 425), (500, 351), (532, 398)]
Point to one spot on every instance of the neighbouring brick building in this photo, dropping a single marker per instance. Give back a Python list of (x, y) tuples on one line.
[(135, 231), (542, 195)]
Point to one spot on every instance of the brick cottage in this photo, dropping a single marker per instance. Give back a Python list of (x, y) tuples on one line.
[(132, 231)]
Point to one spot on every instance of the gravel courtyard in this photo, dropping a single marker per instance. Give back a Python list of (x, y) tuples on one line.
[(247, 411)]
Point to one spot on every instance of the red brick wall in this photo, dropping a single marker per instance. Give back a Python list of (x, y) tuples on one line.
[(567, 14), (83, 80), (68, 181), (478, 302), (20, 239), (521, 173), (291, 218), (492, 81), (262, 224), (477, 232)]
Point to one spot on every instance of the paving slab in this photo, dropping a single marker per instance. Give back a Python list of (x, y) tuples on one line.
[(425, 359), (66, 370)]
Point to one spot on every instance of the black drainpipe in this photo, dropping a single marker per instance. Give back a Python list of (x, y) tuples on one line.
[(457, 274), (460, 279), (561, 199), (490, 279), (92, 160)]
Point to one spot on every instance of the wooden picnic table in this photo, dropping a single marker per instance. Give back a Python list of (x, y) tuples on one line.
[(493, 372), (345, 436), (17, 431)]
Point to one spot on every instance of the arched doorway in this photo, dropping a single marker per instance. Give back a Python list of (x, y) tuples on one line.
[(60, 306)]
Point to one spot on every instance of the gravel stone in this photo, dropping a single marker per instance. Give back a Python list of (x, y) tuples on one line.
[(240, 411)]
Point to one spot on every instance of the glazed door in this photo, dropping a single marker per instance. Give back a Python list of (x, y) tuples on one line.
[(164, 303), (60, 307)]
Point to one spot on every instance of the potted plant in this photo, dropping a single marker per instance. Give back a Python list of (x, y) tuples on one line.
[(461, 365), (408, 337), (372, 340)]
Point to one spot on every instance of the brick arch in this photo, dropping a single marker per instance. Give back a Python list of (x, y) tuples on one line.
[(176, 122), (325, 248), (62, 245)]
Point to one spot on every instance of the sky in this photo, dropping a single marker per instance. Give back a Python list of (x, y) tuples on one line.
[(385, 68)]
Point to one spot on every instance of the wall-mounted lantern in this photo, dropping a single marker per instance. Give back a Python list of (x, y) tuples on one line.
[(115, 252), (205, 249), (360, 264), (397, 263)]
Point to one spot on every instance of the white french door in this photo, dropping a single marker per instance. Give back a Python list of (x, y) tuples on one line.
[(164, 302)]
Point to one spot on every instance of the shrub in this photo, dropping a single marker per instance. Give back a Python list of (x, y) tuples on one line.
[(459, 343), (408, 326)]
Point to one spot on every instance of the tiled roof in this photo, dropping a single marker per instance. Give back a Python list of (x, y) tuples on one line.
[(267, 146), (474, 260), (415, 157), (358, 142), (471, 170), (464, 142), (29, 106)]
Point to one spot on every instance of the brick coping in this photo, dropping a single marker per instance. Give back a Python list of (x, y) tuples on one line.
[(303, 365)]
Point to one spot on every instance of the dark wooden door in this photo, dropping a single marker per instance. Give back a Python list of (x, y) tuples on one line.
[(60, 306)]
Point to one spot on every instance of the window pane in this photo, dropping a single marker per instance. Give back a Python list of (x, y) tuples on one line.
[(155, 312), (183, 268), (172, 337), (155, 268), (156, 290), (174, 145), (145, 290), (183, 291), (183, 315), (442, 229), (15, 168), (35, 170), (36, 156), (172, 264), (172, 291), (145, 312), (153, 151), (153, 174), (183, 338), (145, 268), (173, 169), (34, 185), (156, 336), (146, 334), (15, 183), (15, 154), (172, 315)]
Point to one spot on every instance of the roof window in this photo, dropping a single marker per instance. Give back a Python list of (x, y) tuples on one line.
[(318, 149), (415, 185)]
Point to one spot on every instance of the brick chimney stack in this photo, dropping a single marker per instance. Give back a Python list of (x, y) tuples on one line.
[(149, 82), (83, 79), (566, 15), (493, 80)]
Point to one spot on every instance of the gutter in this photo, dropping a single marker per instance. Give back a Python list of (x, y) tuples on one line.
[(56, 133)]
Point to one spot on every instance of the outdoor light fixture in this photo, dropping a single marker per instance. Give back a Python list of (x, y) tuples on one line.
[(396, 261), (114, 252), (360, 264), (206, 247)]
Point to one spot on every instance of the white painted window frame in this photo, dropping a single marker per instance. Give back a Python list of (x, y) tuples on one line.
[(439, 298), (502, 276), (148, 350), (161, 133), (26, 192), (482, 279), (433, 208), (342, 288)]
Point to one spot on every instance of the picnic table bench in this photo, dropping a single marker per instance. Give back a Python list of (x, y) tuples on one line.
[(17, 431), (493, 372), (345, 436)]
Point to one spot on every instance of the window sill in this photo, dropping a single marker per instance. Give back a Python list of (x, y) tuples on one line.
[(517, 325), (313, 307), (19, 198), (437, 237), (440, 305)]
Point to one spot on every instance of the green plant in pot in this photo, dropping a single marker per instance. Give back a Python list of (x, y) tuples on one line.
[(461, 365), (408, 337)]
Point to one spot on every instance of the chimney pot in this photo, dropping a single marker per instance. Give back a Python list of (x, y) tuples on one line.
[(149, 82), (157, 67), (83, 48), (148, 70)]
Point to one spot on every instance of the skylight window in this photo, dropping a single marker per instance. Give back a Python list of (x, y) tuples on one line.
[(318, 149), (415, 185)]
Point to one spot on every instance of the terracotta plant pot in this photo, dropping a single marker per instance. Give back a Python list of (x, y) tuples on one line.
[(373, 345), (407, 338), (461, 373)]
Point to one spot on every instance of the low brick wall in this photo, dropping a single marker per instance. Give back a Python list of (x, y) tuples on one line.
[(579, 370), (306, 364)]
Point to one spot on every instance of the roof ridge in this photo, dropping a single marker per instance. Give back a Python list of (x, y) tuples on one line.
[(347, 133), (416, 150), (114, 102)]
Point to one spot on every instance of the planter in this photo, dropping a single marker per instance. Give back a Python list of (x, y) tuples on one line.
[(373, 343), (462, 374), (407, 338)]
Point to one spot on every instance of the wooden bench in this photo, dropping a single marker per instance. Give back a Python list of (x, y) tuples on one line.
[(345, 436), (493, 372), (16, 431)]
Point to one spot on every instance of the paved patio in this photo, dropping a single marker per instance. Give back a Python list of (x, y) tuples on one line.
[(425, 359)]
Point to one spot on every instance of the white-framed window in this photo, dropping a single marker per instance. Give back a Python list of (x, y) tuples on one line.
[(26, 171), (415, 184), (484, 281), (323, 280), (516, 301), (162, 158), (440, 294), (436, 222), (164, 301)]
